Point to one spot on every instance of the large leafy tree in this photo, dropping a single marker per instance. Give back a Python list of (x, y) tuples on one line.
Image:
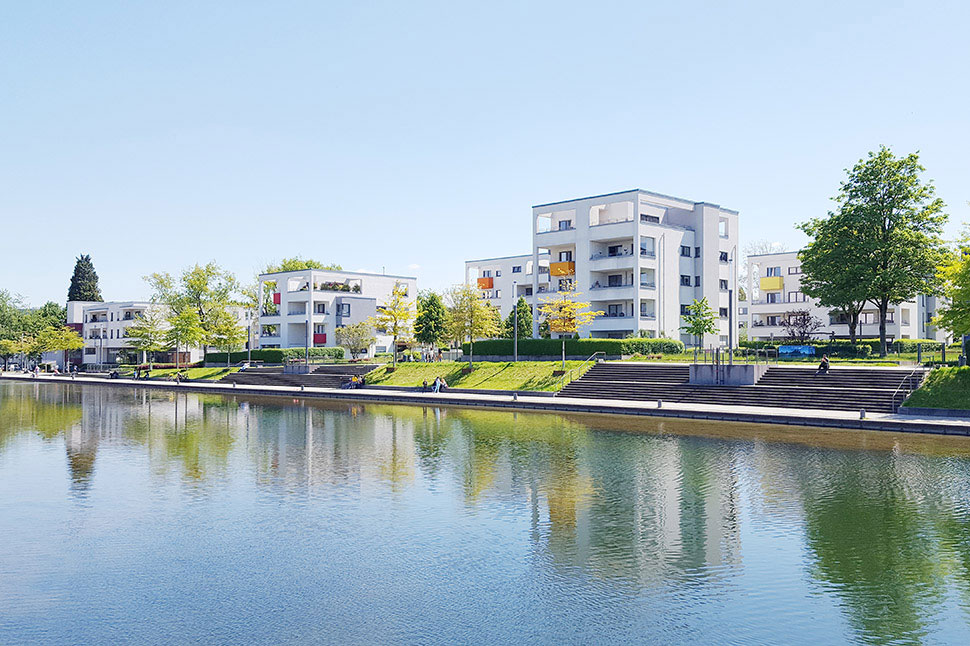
[(801, 325), (700, 319), (225, 333), (431, 324), (296, 263), (566, 315), (208, 290), (394, 317), (84, 282), (469, 317), (184, 331), (831, 265), (523, 323), (898, 222)]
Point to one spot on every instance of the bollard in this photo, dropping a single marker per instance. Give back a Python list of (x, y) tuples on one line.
[(660, 403), (515, 397), (302, 387), (234, 384), (862, 414)]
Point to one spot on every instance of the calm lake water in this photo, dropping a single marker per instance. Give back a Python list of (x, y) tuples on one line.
[(137, 517)]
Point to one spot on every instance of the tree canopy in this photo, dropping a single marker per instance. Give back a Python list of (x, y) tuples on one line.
[(954, 274), (701, 319), (470, 317), (431, 324), (394, 316), (356, 338), (566, 315), (84, 283), (296, 263), (523, 322)]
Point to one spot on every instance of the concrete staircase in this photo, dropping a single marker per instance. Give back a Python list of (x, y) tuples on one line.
[(847, 389), (327, 376)]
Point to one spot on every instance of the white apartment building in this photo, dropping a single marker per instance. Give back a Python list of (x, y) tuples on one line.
[(640, 257), (305, 308), (774, 289)]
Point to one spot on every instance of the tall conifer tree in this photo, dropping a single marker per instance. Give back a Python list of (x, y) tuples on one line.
[(84, 282)]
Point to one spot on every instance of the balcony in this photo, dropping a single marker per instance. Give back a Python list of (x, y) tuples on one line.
[(486, 283), (772, 283), (319, 339), (276, 298), (562, 268)]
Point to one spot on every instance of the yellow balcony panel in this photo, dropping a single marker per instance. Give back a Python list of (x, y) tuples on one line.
[(772, 283), (485, 283), (562, 268)]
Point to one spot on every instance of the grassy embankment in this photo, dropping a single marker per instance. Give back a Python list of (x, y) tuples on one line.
[(208, 374), (944, 388), (688, 357), (506, 375)]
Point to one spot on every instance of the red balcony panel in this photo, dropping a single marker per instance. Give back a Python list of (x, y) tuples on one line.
[(319, 339), (276, 298)]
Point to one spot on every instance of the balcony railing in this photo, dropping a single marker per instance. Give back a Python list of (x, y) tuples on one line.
[(646, 253), (651, 317), (597, 285), (648, 285), (622, 254)]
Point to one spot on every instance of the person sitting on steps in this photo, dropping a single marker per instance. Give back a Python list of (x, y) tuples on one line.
[(823, 367)]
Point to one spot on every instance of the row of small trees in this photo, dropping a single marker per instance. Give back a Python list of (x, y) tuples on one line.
[(29, 332)]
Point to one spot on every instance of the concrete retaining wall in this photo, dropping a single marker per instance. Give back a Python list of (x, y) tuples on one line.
[(741, 374)]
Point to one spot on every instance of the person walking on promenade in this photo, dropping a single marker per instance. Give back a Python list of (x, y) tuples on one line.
[(823, 367)]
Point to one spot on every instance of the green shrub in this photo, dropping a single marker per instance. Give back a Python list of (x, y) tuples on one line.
[(299, 353), (576, 347), (268, 355)]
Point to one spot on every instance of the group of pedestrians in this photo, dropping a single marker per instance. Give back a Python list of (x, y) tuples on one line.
[(356, 381), (437, 385)]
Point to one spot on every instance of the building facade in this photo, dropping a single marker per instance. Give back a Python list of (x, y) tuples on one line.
[(774, 289), (640, 257), (305, 308)]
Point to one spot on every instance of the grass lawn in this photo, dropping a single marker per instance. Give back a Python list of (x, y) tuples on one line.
[(209, 374), (944, 388), (688, 357), (506, 375)]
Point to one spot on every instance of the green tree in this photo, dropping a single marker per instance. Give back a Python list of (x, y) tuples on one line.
[(524, 321), (701, 319), (832, 263), (208, 290), (566, 315), (56, 338), (84, 282), (954, 274), (46, 316), (12, 316), (296, 263), (394, 317), (357, 338), (469, 317), (431, 324), (899, 225), (184, 331), (148, 334), (225, 333)]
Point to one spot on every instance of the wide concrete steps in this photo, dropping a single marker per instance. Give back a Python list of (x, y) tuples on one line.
[(840, 389), (323, 377)]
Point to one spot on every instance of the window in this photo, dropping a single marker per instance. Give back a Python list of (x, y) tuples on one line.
[(565, 285), (565, 256), (343, 309), (516, 269), (653, 219), (614, 310), (647, 246), (615, 280), (772, 320), (685, 251), (795, 270), (723, 284), (89, 351), (111, 316), (796, 297), (773, 297), (565, 225), (723, 312), (320, 308), (498, 293), (684, 280), (684, 310), (319, 328), (498, 273), (697, 281), (614, 250), (772, 272), (723, 257), (742, 310), (697, 252), (722, 228), (487, 273), (528, 291)]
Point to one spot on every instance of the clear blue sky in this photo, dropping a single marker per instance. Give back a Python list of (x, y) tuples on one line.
[(413, 136)]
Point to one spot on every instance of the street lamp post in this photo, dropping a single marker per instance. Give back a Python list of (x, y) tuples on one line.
[(515, 323)]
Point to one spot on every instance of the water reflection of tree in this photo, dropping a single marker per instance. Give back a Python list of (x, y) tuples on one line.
[(875, 546)]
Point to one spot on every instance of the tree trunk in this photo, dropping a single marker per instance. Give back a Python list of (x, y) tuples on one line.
[(853, 326), (394, 352), (883, 309), (471, 351), (564, 353)]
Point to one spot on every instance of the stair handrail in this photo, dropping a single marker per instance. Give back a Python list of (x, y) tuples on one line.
[(580, 367), (905, 380)]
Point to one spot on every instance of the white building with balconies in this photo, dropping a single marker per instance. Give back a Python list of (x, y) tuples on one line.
[(640, 257), (305, 308), (774, 289)]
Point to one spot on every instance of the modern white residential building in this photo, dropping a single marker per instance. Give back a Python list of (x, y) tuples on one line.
[(305, 308), (774, 289), (640, 257)]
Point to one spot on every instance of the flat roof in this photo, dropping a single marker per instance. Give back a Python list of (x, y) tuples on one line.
[(340, 271), (521, 255), (773, 253), (634, 190)]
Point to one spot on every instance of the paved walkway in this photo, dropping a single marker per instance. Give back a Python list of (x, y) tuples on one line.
[(455, 397)]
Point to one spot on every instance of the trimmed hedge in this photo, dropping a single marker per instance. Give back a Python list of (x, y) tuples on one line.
[(276, 355), (575, 347), (299, 353), (899, 345)]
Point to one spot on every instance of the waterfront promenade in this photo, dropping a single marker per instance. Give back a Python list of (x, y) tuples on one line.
[(511, 401)]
